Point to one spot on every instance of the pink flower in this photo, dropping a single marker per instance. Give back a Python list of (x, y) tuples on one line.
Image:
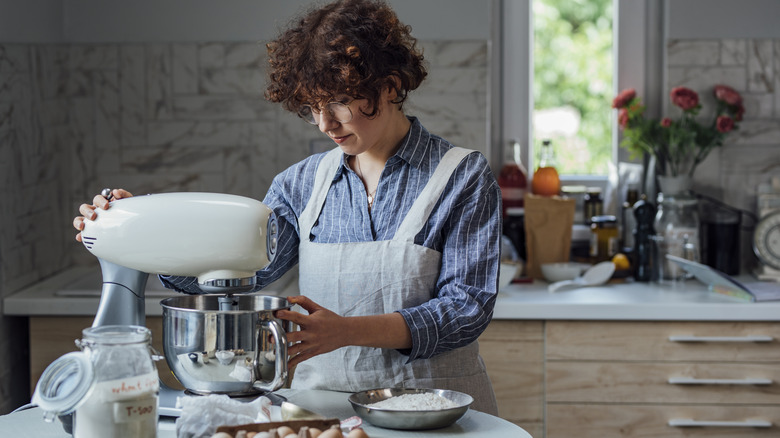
[(666, 122), (727, 94), (623, 98), (623, 117), (685, 98), (724, 124)]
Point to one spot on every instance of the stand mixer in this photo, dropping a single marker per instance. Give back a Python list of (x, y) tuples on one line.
[(220, 239)]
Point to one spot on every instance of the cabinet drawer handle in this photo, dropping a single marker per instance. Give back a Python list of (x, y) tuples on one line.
[(686, 422), (695, 381), (685, 338)]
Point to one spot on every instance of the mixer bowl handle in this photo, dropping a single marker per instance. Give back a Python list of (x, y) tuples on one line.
[(280, 351)]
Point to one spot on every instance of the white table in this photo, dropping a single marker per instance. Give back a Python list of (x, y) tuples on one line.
[(330, 404)]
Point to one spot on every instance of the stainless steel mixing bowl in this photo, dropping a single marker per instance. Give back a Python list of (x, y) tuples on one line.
[(226, 344), (409, 419)]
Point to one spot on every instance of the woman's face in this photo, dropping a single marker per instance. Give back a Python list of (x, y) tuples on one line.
[(362, 134)]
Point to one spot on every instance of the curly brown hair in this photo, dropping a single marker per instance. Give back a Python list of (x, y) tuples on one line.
[(349, 47)]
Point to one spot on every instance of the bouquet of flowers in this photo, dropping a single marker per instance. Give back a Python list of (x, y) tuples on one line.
[(678, 145)]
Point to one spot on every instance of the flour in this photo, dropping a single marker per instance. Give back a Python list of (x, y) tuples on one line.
[(415, 402), (120, 408)]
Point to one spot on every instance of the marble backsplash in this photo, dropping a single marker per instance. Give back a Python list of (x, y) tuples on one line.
[(174, 117), (750, 155)]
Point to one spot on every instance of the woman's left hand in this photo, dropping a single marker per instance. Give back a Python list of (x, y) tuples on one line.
[(320, 331)]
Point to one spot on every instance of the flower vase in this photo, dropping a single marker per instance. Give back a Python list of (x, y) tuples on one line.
[(674, 185)]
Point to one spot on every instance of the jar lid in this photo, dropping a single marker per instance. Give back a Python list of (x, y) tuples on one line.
[(606, 219), (515, 211), (64, 385)]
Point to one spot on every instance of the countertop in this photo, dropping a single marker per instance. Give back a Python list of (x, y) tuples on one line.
[(330, 404), (75, 292), (688, 300)]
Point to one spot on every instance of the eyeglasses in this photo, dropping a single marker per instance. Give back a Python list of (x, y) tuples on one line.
[(338, 111)]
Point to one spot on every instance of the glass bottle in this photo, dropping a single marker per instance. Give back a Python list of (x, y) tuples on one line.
[(628, 223), (677, 227), (546, 181), (513, 180)]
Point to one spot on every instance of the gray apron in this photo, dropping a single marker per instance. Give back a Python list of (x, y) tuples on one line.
[(370, 278)]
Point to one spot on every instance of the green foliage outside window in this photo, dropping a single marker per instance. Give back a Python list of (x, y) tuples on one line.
[(573, 66)]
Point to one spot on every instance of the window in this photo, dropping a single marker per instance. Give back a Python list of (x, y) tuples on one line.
[(637, 53), (572, 82)]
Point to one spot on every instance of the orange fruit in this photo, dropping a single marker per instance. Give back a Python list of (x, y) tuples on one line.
[(546, 182), (621, 261)]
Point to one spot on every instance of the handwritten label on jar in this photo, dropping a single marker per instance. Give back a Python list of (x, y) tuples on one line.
[(119, 408), (133, 410)]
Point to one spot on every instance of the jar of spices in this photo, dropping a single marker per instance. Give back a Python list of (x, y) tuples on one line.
[(592, 204), (604, 238), (111, 386)]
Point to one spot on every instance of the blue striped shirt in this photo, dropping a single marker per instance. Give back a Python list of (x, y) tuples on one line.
[(465, 226)]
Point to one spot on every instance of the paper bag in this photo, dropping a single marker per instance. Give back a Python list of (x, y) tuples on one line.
[(548, 224)]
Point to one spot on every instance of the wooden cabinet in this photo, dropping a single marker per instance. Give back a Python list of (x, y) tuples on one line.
[(671, 379), (637, 379), (513, 352)]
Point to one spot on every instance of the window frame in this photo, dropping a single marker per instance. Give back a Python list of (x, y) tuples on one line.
[(639, 63)]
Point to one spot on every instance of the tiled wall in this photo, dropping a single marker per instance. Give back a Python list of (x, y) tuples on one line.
[(159, 118), (750, 155)]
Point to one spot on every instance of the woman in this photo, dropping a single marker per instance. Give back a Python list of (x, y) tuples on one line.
[(395, 231)]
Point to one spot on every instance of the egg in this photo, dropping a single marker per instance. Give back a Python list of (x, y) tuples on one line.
[(357, 433), (283, 431), (222, 435), (331, 433), (292, 435), (314, 432)]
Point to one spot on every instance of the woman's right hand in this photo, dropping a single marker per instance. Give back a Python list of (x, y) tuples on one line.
[(88, 211)]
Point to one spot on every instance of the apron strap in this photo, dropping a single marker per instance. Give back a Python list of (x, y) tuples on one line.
[(421, 209), (325, 170)]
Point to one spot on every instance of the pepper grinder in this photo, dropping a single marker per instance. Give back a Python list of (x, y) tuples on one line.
[(644, 212)]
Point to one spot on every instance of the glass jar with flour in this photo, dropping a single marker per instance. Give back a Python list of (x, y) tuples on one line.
[(111, 386)]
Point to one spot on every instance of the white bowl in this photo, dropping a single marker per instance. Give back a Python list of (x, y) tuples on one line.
[(563, 271), (507, 273)]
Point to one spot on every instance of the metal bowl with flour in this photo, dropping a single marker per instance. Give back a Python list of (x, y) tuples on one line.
[(408, 418)]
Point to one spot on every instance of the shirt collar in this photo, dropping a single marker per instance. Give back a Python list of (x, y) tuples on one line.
[(414, 147)]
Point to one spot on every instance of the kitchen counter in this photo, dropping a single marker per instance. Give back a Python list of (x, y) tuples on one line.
[(678, 301), (76, 292), (330, 404)]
